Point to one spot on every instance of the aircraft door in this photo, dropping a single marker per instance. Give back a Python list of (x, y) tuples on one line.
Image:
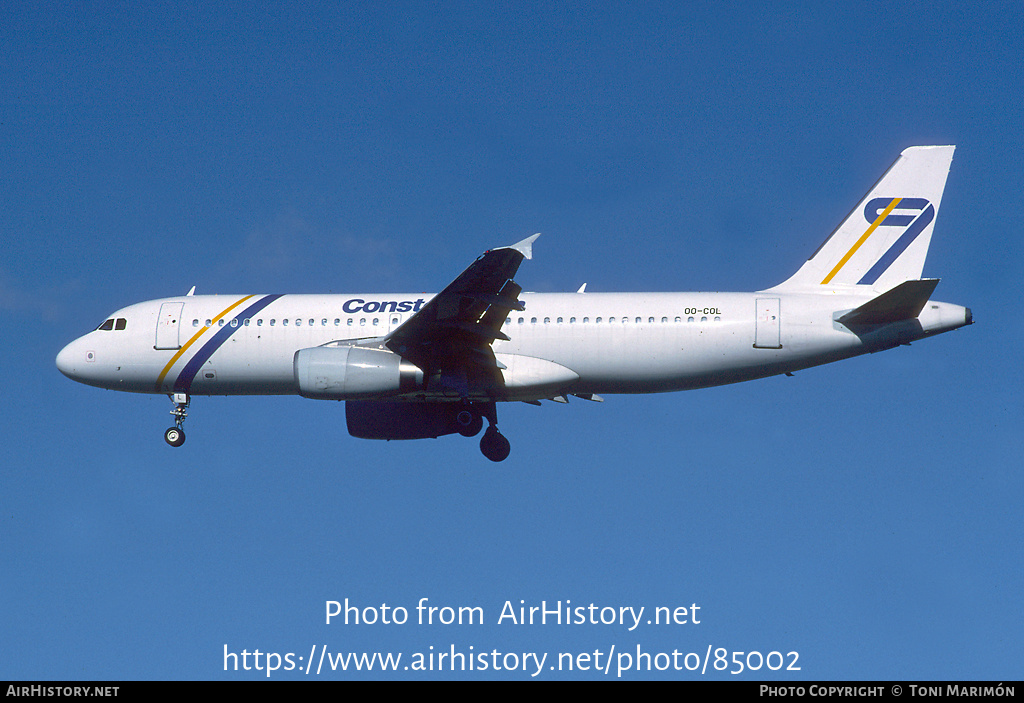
[(767, 324), (167, 326)]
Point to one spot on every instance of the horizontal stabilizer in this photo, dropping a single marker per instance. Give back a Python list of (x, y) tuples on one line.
[(904, 302)]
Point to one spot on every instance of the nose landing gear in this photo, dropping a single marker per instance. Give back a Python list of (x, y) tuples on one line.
[(175, 436)]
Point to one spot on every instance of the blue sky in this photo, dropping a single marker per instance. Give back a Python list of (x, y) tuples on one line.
[(865, 514)]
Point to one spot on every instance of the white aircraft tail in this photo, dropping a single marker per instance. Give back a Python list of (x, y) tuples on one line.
[(884, 240)]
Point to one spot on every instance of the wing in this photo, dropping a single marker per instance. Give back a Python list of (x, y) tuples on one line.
[(450, 337)]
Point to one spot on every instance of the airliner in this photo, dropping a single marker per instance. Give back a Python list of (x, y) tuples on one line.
[(415, 366)]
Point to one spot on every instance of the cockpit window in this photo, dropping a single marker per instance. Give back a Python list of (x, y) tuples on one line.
[(112, 324)]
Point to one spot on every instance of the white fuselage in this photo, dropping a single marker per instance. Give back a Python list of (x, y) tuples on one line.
[(418, 366), (582, 343)]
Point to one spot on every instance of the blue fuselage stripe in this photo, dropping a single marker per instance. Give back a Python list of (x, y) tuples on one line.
[(184, 381)]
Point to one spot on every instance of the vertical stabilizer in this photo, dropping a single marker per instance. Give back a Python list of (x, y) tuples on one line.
[(884, 240)]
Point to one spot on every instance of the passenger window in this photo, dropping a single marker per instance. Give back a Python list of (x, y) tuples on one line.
[(323, 322), (312, 321), (298, 322), (717, 318), (547, 320), (664, 319), (246, 322), (597, 321), (350, 322), (337, 321), (234, 322), (220, 323), (362, 321), (522, 320), (533, 320), (195, 323), (572, 320), (689, 319), (679, 319), (586, 320), (284, 322), (611, 320), (259, 322), (704, 319), (376, 321), (209, 323), (273, 322)]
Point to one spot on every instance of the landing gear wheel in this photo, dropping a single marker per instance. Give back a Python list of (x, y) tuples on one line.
[(174, 436), (469, 423), (494, 445)]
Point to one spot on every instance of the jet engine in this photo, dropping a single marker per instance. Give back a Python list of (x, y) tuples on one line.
[(343, 373)]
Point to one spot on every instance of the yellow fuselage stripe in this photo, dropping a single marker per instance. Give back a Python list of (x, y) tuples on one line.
[(863, 238), (196, 336)]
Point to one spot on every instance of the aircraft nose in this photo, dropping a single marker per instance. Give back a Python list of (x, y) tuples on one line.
[(64, 364), (70, 360)]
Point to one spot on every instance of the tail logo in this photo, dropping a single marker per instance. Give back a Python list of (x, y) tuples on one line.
[(879, 213)]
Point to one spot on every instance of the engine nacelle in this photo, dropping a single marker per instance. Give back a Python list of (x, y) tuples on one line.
[(343, 373), (376, 419)]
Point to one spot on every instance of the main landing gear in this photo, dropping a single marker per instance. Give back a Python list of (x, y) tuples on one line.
[(493, 444), (469, 422), (175, 436)]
